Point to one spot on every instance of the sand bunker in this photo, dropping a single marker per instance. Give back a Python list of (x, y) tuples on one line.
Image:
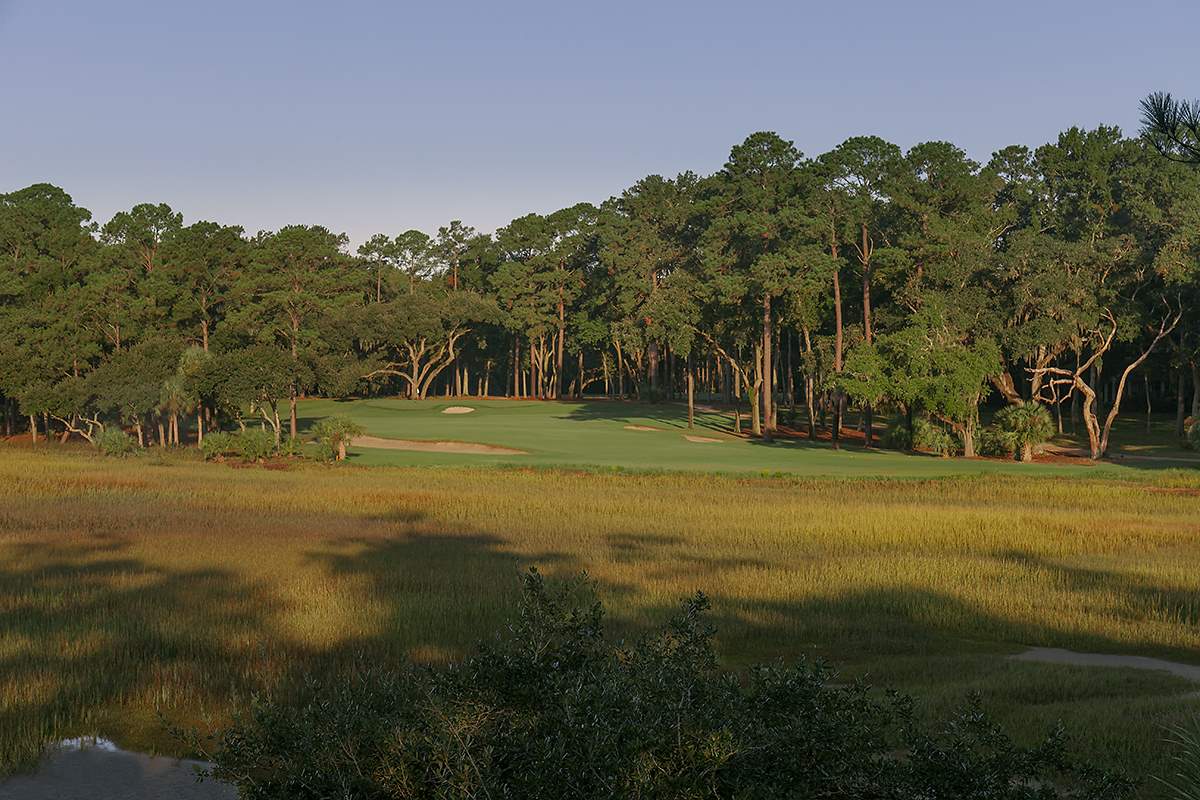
[(457, 410), (702, 439), (1054, 655), (435, 447), (641, 428)]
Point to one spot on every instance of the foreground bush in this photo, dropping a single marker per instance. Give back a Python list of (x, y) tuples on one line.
[(115, 442), (555, 710)]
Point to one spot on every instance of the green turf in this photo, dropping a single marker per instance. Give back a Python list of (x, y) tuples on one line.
[(595, 434)]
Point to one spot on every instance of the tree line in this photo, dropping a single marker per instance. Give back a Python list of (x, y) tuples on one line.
[(868, 278)]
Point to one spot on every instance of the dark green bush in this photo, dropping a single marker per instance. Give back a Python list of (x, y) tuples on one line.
[(926, 435), (116, 443), (553, 709), (254, 444), (1193, 435), (896, 436), (991, 441), (218, 445)]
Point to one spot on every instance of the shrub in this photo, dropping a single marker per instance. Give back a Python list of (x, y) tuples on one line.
[(254, 444), (116, 443), (1192, 440), (217, 445), (292, 447), (1025, 427), (933, 438), (334, 435), (926, 435), (554, 709), (896, 436), (991, 441)]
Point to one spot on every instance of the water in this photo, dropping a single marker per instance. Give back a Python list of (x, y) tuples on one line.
[(96, 769)]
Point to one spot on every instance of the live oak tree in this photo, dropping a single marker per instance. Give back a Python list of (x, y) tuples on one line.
[(1065, 275)]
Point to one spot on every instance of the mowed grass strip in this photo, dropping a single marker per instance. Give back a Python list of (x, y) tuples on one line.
[(129, 588)]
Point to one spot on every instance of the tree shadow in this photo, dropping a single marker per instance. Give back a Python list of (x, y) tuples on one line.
[(93, 633)]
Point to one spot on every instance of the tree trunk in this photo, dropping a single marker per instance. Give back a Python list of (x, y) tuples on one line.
[(836, 434), (33, 428), (292, 414), (162, 434), (200, 427), (558, 355), (691, 394), (1196, 390), (341, 453), (767, 399), (141, 437), (1181, 405)]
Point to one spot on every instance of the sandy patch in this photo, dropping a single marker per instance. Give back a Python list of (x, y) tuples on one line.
[(641, 428), (435, 447), (702, 439), (457, 410), (1054, 655)]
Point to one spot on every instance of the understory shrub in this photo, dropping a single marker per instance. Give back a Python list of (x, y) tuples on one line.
[(1025, 427), (217, 445), (255, 444), (1193, 434), (991, 441), (896, 437), (252, 444), (115, 442), (926, 435), (933, 438), (554, 709)]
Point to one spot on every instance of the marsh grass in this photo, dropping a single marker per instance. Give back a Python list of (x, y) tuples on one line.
[(133, 588)]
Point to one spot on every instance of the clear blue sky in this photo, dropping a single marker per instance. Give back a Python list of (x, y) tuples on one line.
[(370, 117)]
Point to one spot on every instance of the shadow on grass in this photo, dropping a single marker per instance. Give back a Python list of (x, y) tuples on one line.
[(97, 639)]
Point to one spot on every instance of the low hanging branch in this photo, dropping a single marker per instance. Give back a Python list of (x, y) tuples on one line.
[(422, 362), (1073, 380)]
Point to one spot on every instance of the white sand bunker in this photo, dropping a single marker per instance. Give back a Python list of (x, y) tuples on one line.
[(1054, 655), (641, 428), (457, 410), (702, 439), (435, 447)]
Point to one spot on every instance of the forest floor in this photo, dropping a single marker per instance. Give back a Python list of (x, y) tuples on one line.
[(161, 584)]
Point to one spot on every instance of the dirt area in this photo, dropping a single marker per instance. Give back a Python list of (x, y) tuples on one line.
[(457, 410), (641, 428), (435, 447), (701, 439), (1054, 655)]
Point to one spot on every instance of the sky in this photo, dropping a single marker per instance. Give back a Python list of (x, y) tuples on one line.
[(371, 117)]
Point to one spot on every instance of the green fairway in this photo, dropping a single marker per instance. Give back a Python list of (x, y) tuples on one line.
[(599, 433)]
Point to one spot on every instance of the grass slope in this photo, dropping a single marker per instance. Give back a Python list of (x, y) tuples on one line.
[(164, 584)]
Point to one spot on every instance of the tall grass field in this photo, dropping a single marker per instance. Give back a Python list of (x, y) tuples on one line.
[(159, 590)]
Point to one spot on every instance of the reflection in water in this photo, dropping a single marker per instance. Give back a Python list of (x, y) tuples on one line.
[(96, 769)]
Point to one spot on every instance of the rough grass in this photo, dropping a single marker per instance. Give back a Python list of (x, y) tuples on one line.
[(132, 587)]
